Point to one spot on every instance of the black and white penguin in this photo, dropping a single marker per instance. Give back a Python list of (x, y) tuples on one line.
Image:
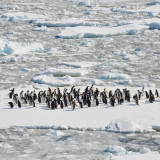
[(11, 104), (52, 105), (21, 94), (151, 98), (156, 93), (33, 104), (110, 94), (80, 104), (19, 104), (147, 95), (112, 101), (73, 105), (24, 101), (61, 104), (39, 98)]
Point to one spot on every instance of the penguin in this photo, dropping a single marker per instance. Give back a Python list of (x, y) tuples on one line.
[(97, 102), (10, 95), (12, 91), (33, 103), (15, 98), (110, 94), (73, 105), (147, 95), (21, 94), (142, 91), (61, 104), (136, 101), (11, 104), (121, 101), (80, 104), (24, 100), (156, 93), (48, 103), (52, 105), (151, 98), (19, 104), (112, 101), (101, 97), (39, 99)]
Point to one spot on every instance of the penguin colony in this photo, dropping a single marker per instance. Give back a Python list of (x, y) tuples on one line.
[(89, 97)]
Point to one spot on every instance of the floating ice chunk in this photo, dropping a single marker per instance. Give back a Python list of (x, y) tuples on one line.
[(87, 2), (123, 125), (5, 146), (13, 138), (96, 82), (153, 3), (92, 32), (115, 9), (125, 82), (114, 149), (42, 29), (110, 75), (130, 57), (120, 53), (64, 12), (130, 69), (115, 64), (28, 70), (79, 64), (9, 47), (55, 133), (144, 150), (10, 7), (72, 22), (20, 59), (23, 16), (155, 136), (55, 81), (65, 71)]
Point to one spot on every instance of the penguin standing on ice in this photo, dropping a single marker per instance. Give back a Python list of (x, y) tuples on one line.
[(147, 95), (52, 105), (19, 104), (11, 104), (61, 104), (156, 93), (135, 97)]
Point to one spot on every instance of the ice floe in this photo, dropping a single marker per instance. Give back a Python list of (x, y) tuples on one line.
[(115, 149), (72, 22), (79, 64), (115, 76), (123, 125), (55, 81), (93, 32), (9, 47), (12, 16), (64, 71)]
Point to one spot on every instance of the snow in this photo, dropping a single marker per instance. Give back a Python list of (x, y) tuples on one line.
[(64, 71), (93, 32)]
